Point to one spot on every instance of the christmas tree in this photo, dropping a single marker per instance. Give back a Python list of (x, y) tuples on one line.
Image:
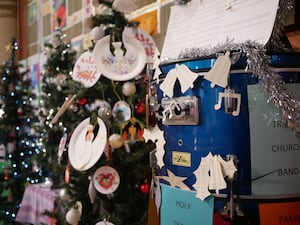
[(18, 140), (104, 176)]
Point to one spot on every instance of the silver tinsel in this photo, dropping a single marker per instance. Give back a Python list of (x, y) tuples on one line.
[(258, 64)]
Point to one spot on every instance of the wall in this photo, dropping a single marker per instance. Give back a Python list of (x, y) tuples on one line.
[(41, 21), (8, 24)]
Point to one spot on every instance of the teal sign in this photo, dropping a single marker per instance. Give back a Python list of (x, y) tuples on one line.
[(180, 207), (275, 149)]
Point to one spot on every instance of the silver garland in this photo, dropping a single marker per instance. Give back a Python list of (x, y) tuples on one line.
[(258, 63)]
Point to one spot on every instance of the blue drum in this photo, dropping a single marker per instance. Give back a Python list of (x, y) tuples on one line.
[(217, 131)]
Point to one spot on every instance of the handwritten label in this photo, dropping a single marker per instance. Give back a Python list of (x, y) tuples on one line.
[(280, 213), (181, 158), (271, 141), (180, 207)]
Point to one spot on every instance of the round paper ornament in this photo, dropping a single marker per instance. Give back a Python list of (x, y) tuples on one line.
[(121, 111), (128, 88), (145, 39), (119, 66), (87, 144), (97, 32), (106, 180), (85, 70)]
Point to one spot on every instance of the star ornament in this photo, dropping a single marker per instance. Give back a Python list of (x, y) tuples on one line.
[(175, 181)]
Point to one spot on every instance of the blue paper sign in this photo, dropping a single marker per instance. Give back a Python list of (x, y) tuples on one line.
[(180, 207)]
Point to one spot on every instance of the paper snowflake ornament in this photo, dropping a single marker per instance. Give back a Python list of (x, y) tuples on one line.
[(157, 136)]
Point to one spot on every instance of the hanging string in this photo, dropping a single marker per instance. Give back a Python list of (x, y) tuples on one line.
[(115, 91)]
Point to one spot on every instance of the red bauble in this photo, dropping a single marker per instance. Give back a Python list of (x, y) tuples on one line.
[(20, 111), (83, 101), (145, 187), (140, 108)]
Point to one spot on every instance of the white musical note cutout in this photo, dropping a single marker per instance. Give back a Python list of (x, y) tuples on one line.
[(168, 111), (231, 106)]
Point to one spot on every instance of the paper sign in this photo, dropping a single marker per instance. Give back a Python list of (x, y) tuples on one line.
[(182, 207), (275, 149), (206, 23), (280, 213)]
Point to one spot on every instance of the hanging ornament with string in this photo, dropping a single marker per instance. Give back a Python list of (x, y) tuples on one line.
[(145, 187), (140, 108)]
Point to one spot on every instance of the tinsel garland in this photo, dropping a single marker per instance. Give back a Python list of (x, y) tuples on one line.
[(258, 64), (271, 82)]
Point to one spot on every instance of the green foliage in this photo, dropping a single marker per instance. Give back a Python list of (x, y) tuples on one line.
[(17, 137), (128, 204)]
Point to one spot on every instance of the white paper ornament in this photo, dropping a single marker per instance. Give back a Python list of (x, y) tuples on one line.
[(85, 70), (128, 88), (106, 180), (121, 111), (115, 141)]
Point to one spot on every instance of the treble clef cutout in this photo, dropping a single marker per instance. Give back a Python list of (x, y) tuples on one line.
[(229, 95)]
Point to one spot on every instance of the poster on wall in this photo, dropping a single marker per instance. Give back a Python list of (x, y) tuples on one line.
[(34, 76), (59, 12), (274, 143), (87, 8), (148, 22), (76, 44), (32, 13)]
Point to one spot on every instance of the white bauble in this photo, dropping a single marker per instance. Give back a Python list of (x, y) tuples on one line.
[(115, 141), (128, 88), (97, 32), (73, 216), (64, 195)]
